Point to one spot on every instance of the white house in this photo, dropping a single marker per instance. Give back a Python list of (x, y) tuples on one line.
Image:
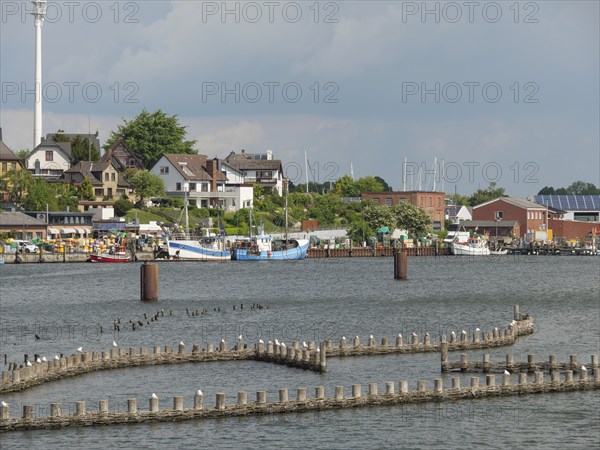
[(208, 185), (258, 168), (458, 213), (50, 159)]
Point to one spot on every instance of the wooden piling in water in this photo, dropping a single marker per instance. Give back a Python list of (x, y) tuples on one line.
[(149, 282), (400, 265)]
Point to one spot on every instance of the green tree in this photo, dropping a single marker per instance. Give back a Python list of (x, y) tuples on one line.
[(346, 187), (459, 199), (583, 188), (23, 155), (83, 150), (412, 218), (16, 182), (360, 232), (483, 195), (86, 190), (122, 206), (369, 184), (152, 135), (377, 216), (547, 190), (40, 194), (66, 196), (326, 207), (146, 184), (386, 187)]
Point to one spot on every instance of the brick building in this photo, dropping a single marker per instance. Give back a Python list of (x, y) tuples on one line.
[(431, 202), (530, 215)]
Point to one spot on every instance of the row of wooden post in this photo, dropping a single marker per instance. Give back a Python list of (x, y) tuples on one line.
[(301, 396)]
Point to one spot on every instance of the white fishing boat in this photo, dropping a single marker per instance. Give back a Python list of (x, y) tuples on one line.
[(182, 246), (472, 247)]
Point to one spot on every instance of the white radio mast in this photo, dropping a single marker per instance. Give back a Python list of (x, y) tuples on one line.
[(39, 13)]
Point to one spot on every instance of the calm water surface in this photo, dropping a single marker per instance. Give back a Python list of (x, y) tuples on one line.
[(65, 306)]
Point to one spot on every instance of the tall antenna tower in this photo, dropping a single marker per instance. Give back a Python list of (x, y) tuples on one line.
[(39, 14)]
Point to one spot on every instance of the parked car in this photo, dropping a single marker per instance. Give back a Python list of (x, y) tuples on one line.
[(26, 246)]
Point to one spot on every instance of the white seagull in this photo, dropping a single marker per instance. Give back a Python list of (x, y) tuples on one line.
[(276, 342), (453, 334), (181, 343), (318, 350), (80, 349), (28, 364), (38, 360), (223, 340), (283, 344), (154, 395), (115, 344), (270, 342), (414, 334), (4, 403), (477, 330), (343, 338), (506, 372), (260, 341), (56, 357), (304, 344), (356, 337), (399, 335), (584, 368), (44, 359), (199, 392), (240, 337), (463, 332), (371, 337)]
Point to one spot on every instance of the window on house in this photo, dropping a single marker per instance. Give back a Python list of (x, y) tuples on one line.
[(204, 187), (164, 170), (499, 215), (109, 192), (131, 163), (106, 175), (388, 201), (112, 176), (177, 186), (192, 187), (376, 200), (4, 167), (98, 192), (49, 155)]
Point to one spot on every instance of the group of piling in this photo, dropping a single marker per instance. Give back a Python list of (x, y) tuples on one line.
[(302, 403), (509, 365), (26, 375)]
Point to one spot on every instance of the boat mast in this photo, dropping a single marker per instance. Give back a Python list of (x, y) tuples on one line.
[(186, 187), (286, 186)]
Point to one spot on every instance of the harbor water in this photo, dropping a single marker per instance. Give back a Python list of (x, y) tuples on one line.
[(48, 309)]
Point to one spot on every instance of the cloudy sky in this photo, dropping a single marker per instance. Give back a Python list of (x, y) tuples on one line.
[(500, 91)]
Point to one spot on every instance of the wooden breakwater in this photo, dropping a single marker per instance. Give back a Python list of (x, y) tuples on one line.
[(81, 417), (521, 325), (487, 366), (363, 252), (20, 378), (65, 257), (311, 356)]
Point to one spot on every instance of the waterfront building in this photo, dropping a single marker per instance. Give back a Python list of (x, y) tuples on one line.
[(432, 202)]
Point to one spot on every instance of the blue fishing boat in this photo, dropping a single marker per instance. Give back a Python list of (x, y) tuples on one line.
[(265, 248)]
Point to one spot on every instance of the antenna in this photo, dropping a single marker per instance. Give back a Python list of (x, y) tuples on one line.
[(351, 171), (434, 168)]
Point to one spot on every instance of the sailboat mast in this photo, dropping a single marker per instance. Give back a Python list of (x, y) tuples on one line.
[(187, 218), (286, 209), (306, 170)]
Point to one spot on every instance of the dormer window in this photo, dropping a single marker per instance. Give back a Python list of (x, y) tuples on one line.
[(131, 163), (49, 155)]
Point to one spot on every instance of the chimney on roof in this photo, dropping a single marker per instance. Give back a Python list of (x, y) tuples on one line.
[(0, 133), (212, 167)]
